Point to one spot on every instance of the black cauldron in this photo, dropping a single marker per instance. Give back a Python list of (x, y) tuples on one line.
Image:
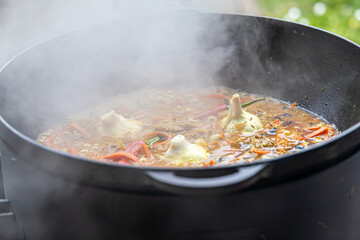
[(313, 194)]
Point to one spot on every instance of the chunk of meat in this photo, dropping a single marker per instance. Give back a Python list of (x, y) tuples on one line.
[(179, 125), (116, 126), (181, 150)]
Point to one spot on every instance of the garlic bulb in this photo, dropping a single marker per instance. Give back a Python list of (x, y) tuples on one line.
[(238, 120)]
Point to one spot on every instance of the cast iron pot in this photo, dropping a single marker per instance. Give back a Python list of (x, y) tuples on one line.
[(309, 195)]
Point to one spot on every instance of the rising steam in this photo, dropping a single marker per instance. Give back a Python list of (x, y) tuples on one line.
[(146, 45)]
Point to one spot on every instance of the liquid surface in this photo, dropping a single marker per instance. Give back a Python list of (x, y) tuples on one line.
[(188, 128)]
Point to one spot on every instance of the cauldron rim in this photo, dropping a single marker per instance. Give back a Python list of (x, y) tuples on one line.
[(280, 160)]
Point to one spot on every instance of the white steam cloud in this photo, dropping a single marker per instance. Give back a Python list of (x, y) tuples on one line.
[(150, 43)]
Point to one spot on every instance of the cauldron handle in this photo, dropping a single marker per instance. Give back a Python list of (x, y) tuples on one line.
[(242, 178)]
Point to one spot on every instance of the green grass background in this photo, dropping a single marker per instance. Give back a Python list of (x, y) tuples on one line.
[(341, 16)]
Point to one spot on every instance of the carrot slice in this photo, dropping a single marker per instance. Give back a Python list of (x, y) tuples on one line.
[(50, 139), (71, 149), (322, 130), (146, 150), (79, 129), (277, 137), (122, 156), (293, 105), (276, 122), (313, 128), (260, 152), (300, 138)]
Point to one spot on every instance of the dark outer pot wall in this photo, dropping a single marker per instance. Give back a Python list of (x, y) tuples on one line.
[(272, 57), (322, 206)]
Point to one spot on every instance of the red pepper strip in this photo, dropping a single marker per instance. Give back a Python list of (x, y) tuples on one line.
[(134, 148), (213, 111), (122, 161), (146, 150), (49, 140), (161, 134), (318, 132), (122, 156), (129, 154), (214, 96)]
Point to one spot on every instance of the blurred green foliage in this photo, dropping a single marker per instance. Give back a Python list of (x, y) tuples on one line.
[(339, 16)]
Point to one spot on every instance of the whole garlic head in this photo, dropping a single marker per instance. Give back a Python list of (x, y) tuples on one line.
[(238, 120)]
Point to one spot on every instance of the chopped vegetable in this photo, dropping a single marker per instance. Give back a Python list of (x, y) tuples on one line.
[(276, 122), (322, 130), (300, 138), (152, 140), (50, 139), (251, 102), (159, 134), (71, 149), (260, 152), (134, 148), (146, 150), (79, 129), (119, 156), (214, 137), (313, 128)]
